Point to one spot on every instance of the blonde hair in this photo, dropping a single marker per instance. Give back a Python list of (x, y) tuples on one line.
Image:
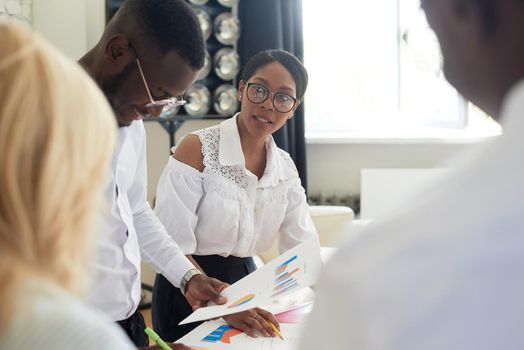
[(56, 138)]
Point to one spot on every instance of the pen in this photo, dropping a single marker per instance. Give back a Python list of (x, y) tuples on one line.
[(152, 334), (276, 330)]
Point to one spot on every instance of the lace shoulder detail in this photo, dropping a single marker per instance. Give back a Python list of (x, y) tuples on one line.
[(210, 140), (288, 164)]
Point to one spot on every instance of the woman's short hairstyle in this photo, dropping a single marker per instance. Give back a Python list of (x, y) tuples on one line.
[(57, 135), (286, 59)]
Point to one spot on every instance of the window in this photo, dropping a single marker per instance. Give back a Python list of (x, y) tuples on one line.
[(374, 66)]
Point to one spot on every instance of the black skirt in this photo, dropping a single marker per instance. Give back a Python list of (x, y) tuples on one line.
[(169, 306)]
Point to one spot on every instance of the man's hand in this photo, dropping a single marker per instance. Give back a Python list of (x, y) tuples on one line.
[(172, 345), (253, 322), (201, 289)]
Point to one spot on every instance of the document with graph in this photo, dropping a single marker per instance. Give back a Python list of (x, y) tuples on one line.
[(217, 335), (297, 268)]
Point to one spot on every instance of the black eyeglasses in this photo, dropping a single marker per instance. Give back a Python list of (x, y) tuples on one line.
[(282, 102), (157, 107)]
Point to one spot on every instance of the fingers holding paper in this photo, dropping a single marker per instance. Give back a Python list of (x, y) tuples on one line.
[(202, 289), (253, 322)]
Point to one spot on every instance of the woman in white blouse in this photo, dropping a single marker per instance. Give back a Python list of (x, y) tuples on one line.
[(228, 192), (57, 135)]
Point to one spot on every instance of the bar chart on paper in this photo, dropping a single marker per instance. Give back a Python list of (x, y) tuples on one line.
[(217, 335), (222, 334), (295, 269), (284, 279)]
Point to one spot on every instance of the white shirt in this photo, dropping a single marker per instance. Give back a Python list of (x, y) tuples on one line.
[(49, 318), (130, 229), (446, 273), (227, 210)]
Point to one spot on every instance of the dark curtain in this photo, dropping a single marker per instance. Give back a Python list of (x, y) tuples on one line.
[(277, 24)]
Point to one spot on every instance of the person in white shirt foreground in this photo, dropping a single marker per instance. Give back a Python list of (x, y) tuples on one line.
[(447, 272), (228, 192), (57, 133), (150, 51)]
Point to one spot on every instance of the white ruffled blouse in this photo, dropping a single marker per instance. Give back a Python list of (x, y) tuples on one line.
[(226, 209)]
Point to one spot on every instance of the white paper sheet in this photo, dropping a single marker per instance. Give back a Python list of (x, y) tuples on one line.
[(291, 301), (297, 268), (217, 335)]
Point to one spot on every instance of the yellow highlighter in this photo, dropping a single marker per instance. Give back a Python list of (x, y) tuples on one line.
[(276, 330), (152, 334)]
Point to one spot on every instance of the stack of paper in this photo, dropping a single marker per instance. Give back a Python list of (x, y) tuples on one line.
[(294, 270)]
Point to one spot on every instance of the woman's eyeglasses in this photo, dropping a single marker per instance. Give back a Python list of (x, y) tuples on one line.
[(282, 102)]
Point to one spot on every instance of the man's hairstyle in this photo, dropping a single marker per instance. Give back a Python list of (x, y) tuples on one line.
[(289, 61), (169, 25)]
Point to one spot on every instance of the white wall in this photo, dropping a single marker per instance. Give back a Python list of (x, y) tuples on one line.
[(17, 11), (74, 26), (335, 168)]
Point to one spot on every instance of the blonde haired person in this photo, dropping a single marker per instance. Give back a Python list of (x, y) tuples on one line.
[(56, 138)]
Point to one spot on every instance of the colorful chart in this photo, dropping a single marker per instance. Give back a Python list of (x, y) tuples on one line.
[(284, 280), (242, 301), (222, 334), (283, 266)]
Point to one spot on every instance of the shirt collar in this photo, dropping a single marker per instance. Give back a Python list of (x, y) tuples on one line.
[(274, 167), (230, 153), (230, 149)]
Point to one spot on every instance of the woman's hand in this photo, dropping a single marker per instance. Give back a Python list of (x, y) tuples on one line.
[(253, 322)]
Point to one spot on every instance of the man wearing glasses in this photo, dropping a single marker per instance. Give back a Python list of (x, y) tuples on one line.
[(149, 54), (447, 271)]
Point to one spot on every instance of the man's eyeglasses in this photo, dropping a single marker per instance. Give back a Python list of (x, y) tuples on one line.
[(282, 102), (164, 106)]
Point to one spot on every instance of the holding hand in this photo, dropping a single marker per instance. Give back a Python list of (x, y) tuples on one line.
[(201, 289), (253, 322)]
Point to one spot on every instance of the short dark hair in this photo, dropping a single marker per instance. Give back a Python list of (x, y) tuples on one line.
[(170, 25), (288, 60), (486, 10)]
